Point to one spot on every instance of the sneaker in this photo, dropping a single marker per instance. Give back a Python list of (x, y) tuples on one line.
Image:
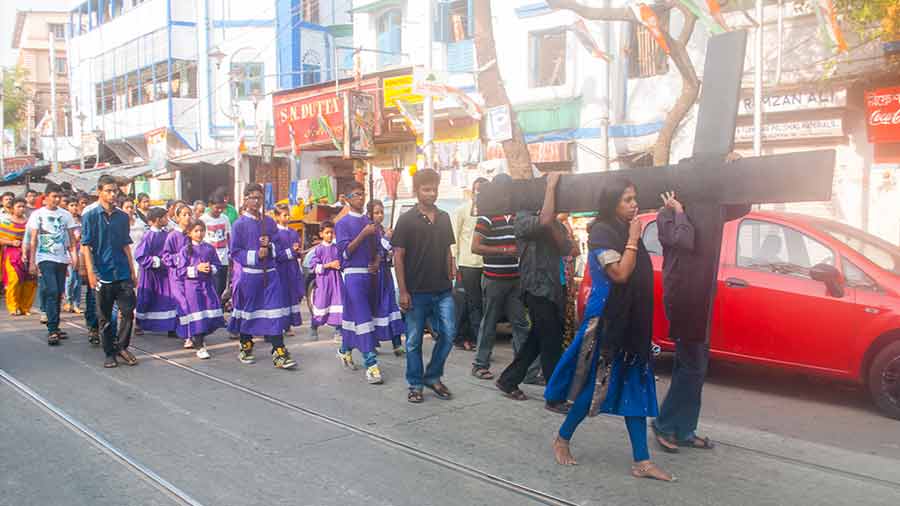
[(337, 339), (94, 337), (202, 353), (399, 351), (110, 362), (246, 354), (188, 343), (289, 333), (347, 360), (43, 318), (282, 358), (373, 375), (76, 310)]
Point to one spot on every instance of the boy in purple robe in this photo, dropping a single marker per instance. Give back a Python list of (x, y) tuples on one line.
[(260, 304), (389, 324), (156, 310), (356, 241), (287, 243), (198, 263), (175, 242), (327, 308)]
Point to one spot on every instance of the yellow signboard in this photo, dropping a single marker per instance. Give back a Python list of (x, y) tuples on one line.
[(400, 88)]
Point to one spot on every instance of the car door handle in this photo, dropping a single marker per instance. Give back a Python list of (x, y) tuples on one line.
[(736, 283)]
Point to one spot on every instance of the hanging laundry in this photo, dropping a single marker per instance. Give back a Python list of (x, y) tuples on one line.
[(321, 189)]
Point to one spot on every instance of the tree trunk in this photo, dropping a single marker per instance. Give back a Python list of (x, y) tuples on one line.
[(490, 84), (690, 85)]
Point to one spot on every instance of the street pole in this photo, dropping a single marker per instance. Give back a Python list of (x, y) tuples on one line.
[(237, 150), (54, 161), (758, 81), (428, 134), (2, 121), (29, 119), (81, 130), (605, 91)]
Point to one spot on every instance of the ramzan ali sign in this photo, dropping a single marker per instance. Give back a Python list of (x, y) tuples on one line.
[(883, 115)]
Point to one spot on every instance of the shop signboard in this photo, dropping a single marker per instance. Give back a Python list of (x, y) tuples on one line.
[(400, 88), (17, 163), (359, 125), (302, 110), (792, 101), (499, 123), (883, 115), (793, 130), (157, 149)]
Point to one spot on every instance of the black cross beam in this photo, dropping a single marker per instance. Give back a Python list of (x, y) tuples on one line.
[(712, 189)]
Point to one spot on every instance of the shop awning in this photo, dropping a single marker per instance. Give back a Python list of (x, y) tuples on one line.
[(202, 157), (376, 5), (87, 180)]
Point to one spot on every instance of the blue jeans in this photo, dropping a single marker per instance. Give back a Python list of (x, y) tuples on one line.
[(90, 308), (52, 286), (680, 411), (73, 288), (440, 309)]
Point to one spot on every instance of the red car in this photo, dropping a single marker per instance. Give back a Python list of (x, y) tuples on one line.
[(803, 293)]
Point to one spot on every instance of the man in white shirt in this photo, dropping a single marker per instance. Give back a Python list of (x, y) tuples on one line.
[(218, 234)]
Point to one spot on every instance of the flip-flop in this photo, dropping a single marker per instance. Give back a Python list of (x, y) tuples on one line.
[(482, 374), (697, 443), (665, 443), (514, 394)]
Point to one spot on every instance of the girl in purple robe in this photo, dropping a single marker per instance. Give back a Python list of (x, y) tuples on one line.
[(260, 305), (155, 310), (198, 263), (327, 308), (356, 240), (175, 242), (287, 242), (388, 319)]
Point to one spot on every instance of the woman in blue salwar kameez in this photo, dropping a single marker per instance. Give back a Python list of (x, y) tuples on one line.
[(607, 368)]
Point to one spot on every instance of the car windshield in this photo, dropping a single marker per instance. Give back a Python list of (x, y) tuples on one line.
[(878, 251)]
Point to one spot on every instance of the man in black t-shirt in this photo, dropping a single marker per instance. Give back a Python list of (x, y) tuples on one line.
[(425, 270)]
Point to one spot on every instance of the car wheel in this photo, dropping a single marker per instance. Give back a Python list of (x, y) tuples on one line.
[(884, 380)]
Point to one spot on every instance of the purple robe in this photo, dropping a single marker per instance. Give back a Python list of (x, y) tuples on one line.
[(203, 309), (327, 308), (358, 293), (156, 310), (175, 241), (289, 271), (260, 304), (388, 318)]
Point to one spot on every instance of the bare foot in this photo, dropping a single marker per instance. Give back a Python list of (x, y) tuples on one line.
[(647, 469), (561, 452)]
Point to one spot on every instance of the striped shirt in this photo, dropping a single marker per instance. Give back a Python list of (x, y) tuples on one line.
[(497, 231)]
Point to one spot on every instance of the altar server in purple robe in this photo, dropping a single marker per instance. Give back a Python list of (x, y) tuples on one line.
[(327, 308), (260, 304), (389, 324), (356, 240), (175, 242), (156, 310), (198, 263), (287, 243)]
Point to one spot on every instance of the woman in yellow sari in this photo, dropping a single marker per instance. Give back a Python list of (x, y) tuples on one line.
[(20, 287)]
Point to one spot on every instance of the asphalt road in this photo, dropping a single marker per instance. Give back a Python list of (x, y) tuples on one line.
[(224, 433)]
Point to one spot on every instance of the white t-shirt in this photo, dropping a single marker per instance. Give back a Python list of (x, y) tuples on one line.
[(218, 233), (53, 234)]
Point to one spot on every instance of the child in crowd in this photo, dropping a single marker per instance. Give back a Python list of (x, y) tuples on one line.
[(73, 280), (175, 242), (197, 265), (218, 233), (389, 324), (326, 264), (356, 240), (287, 243), (155, 310)]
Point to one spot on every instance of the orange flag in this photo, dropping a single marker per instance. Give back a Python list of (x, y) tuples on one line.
[(645, 15)]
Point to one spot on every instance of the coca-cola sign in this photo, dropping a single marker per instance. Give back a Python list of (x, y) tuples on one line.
[(883, 115)]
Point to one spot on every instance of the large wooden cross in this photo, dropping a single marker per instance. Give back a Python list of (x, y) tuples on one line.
[(706, 183)]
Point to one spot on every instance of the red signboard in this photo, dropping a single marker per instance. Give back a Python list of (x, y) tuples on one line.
[(883, 115), (17, 163), (299, 110)]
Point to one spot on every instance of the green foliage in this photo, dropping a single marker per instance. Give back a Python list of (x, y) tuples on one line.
[(14, 99), (867, 15)]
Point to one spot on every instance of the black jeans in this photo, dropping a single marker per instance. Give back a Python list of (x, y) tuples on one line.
[(120, 293), (220, 281), (680, 411), (469, 315), (544, 340)]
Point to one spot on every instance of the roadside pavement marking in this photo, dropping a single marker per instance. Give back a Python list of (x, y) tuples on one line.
[(74, 424)]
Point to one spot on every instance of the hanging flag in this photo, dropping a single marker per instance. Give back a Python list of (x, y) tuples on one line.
[(270, 196), (323, 124), (832, 28), (391, 180), (647, 17), (715, 10), (435, 89), (580, 29), (411, 120), (294, 194), (705, 17)]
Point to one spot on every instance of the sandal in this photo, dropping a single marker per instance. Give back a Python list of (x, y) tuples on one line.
[(698, 443), (647, 469), (468, 346), (53, 339), (666, 443), (514, 394), (415, 397), (440, 390), (482, 373)]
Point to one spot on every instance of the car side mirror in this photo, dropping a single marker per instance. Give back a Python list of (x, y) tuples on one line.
[(829, 275)]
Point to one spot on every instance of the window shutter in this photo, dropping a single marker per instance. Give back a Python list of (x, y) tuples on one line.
[(441, 21)]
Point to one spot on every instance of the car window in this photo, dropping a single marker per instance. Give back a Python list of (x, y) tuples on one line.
[(768, 246), (856, 278), (651, 239), (877, 251)]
